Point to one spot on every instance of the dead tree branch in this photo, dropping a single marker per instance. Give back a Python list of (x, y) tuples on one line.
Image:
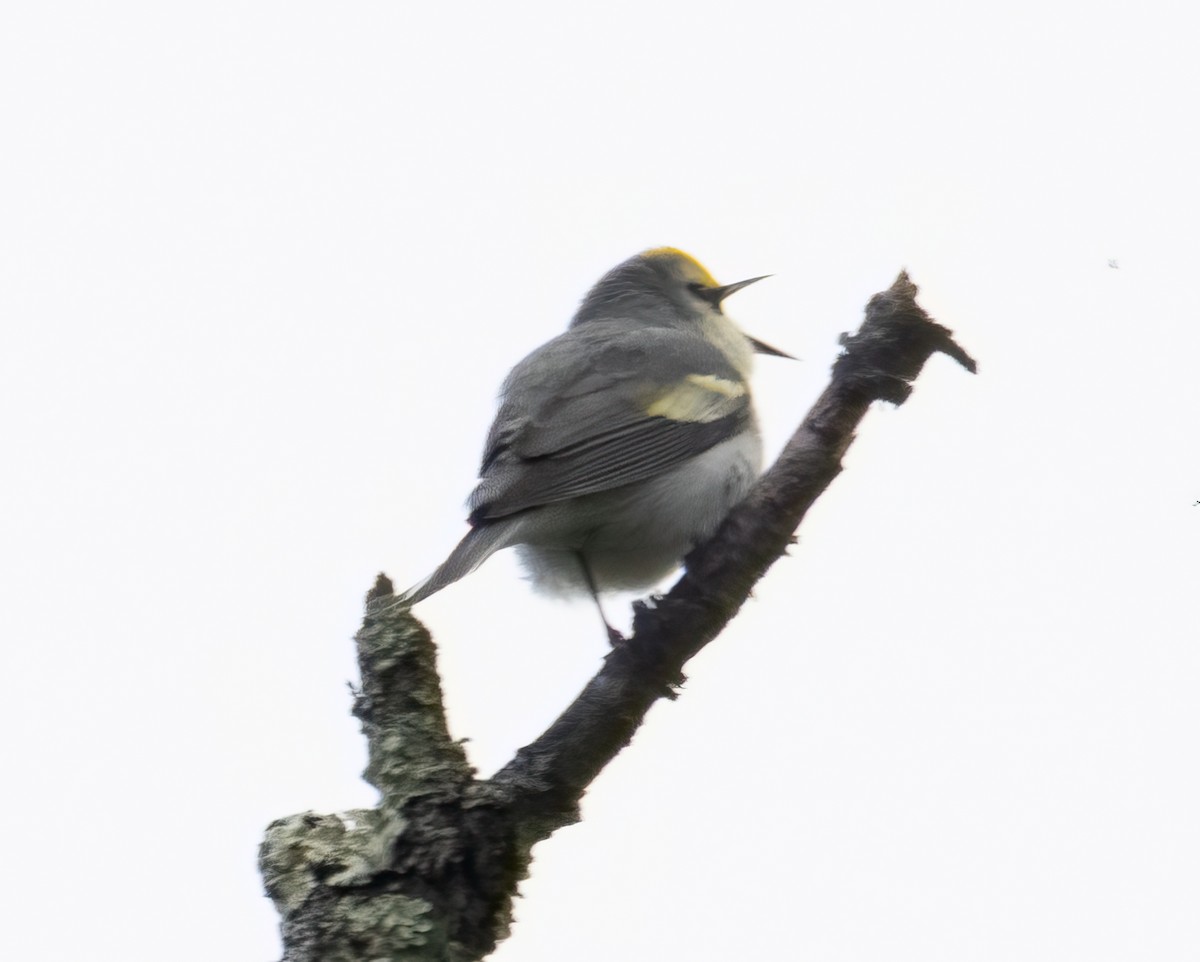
[(430, 873)]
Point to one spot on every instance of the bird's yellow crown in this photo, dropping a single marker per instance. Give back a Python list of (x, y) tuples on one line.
[(692, 270)]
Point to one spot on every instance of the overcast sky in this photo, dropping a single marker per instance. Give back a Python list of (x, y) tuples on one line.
[(263, 267)]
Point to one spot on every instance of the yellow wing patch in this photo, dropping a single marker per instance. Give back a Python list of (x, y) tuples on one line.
[(699, 398)]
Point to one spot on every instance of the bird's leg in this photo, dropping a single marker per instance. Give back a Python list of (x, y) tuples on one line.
[(614, 637)]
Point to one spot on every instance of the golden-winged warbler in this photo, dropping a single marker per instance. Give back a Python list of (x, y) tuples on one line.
[(622, 443)]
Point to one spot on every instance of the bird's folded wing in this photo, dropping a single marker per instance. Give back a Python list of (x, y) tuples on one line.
[(594, 410)]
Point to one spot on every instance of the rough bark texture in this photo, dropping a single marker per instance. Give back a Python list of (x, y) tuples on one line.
[(431, 872)]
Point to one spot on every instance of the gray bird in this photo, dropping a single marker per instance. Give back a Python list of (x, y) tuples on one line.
[(623, 442)]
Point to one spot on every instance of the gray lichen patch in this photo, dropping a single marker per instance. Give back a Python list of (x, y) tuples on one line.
[(304, 851)]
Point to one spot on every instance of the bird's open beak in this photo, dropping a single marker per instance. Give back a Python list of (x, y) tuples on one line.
[(717, 294)]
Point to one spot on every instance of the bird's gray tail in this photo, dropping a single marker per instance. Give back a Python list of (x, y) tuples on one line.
[(479, 545)]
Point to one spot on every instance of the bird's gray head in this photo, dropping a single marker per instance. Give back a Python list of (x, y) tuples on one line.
[(662, 287)]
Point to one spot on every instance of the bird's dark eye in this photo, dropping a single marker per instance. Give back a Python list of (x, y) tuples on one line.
[(710, 295)]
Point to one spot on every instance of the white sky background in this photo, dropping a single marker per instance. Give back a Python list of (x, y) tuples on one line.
[(262, 269)]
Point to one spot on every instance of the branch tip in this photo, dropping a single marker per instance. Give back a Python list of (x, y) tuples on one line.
[(382, 588)]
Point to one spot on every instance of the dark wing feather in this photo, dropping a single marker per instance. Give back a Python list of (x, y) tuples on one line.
[(573, 417)]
